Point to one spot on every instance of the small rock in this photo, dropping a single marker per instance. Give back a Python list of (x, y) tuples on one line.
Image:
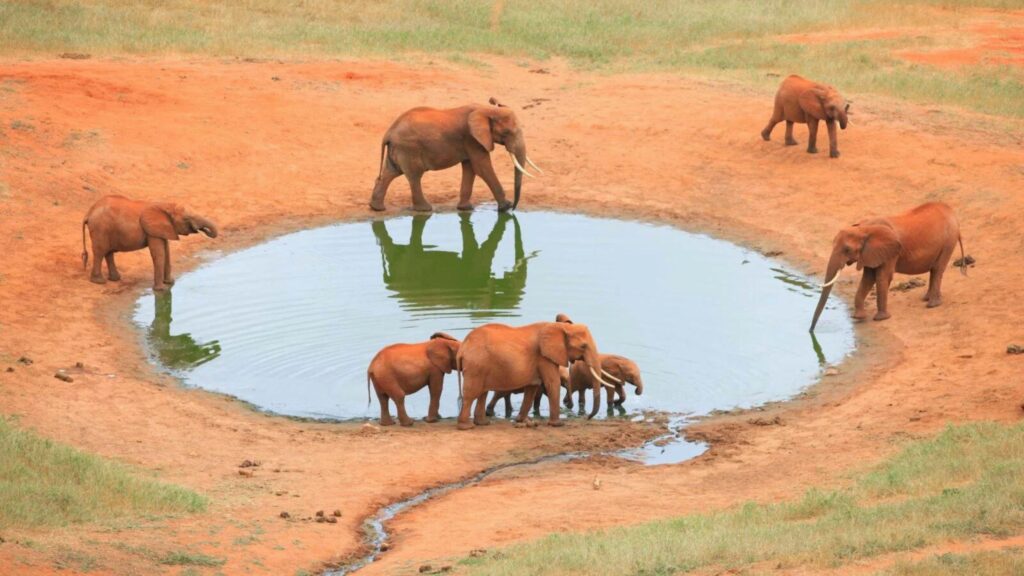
[(908, 285), (385, 546), (280, 493), (596, 483), (773, 253), (477, 552), (79, 365), (321, 519), (331, 520), (25, 360), (285, 515), (62, 375), (249, 463), (445, 568), (776, 421), (540, 71), (319, 513), (74, 56), (831, 371), (10, 369), (336, 513), (246, 473), (967, 260), (1011, 349), (426, 568), (275, 78), (369, 428), (966, 354)]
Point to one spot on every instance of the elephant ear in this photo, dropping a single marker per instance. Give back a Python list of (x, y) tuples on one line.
[(813, 102), (880, 246), (441, 355), (564, 318), (480, 128), (554, 345), (156, 222)]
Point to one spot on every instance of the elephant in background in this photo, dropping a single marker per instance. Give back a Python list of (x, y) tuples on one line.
[(425, 277), (177, 351), (917, 241), (497, 357), (425, 139), (117, 224), (620, 370), (806, 102), (402, 369)]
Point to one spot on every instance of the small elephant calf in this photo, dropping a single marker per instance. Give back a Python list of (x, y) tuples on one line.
[(620, 368), (118, 224), (806, 102), (402, 369)]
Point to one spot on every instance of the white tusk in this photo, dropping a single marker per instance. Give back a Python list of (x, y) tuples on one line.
[(534, 166), (518, 165), (610, 377), (598, 378), (832, 281)]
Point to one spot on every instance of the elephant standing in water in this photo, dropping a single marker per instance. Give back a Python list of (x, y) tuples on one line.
[(618, 369), (177, 351), (423, 277), (424, 139), (917, 241)]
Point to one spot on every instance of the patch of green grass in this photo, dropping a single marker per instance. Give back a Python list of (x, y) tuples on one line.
[(964, 483), (43, 483), (184, 558), (993, 563)]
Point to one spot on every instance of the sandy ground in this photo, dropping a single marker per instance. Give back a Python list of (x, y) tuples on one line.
[(267, 147)]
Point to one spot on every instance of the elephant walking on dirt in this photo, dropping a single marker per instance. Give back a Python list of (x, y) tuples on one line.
[(117, 224), (402, 369), (424, 139), (917, 241), (806, 102)]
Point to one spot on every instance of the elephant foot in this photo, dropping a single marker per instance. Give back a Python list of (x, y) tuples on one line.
[(859, 315), (377, 206), (430, 420), (407, 423), (619, 402), (465, 207), (490, 412), (114, 277), (812, 150), (833, 153), (97, 280), (482, 422), (422, 208), (160, 288), (791, 142), (169, 281), (934, 302), (556, 423), (387, 422), (464, 425), (504, 206), (881, 316), (766, 135)]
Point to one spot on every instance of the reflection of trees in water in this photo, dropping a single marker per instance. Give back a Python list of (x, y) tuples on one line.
[(178, 351), (426, 278)]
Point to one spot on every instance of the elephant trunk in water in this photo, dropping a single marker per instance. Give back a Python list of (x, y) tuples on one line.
[(518, 152), (835, 265), (205, 226)]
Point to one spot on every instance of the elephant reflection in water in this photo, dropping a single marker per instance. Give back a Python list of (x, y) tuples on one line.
[(177, 351), (423, 277)]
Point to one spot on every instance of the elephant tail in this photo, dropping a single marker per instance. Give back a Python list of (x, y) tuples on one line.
[(963, 259), (369, 375), (384, 144), (85, 253), (458, 372)]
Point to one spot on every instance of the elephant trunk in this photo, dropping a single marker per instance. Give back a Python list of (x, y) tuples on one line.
[(518, 151), (842, 120), (205, 226), (835, 264), (593, 362), (639, 383)]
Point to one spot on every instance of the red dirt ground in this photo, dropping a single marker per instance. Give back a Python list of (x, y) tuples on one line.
[(265, 148)]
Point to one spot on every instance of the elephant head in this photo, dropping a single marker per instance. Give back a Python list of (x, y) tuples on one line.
[(490, 125), (442, 351), (564, 343), (168, 221), (624, 370), (868, 245), (825, 103)]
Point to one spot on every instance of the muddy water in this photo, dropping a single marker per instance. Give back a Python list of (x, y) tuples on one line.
[(290, 325)]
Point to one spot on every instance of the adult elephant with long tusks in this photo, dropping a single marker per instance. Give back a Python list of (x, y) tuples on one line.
[(496, 357), (917, 241), (424, 139), (118, 224)]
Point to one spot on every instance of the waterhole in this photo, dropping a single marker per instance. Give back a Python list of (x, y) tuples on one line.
[(290, 325)]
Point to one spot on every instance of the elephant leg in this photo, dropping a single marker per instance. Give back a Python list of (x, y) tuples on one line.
[(882, 280), (766, 134), (471, 388), (99, 253), (536, 402), (508, 406), (480, 413), (833, 145), (466, 190), (435, 385), (610, 397), (385, 415), (403, 417), (790, 141), (482, 166), (620, 391), (812, 135), (867, 280), (112, 272), (380, 187), (419, 202), (528, 395), (495, 396), (935, 278), (567, 400), (552, 384), (158, 250), (581, 398), (168, 278)]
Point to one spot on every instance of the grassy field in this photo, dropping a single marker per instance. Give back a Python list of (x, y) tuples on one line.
[(1002, 563), (43, 483), (736, 38), (965, 483)]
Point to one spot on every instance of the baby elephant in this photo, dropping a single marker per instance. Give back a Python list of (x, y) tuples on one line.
[(117, 224), (402, 369), (620, 368), (801, 100)]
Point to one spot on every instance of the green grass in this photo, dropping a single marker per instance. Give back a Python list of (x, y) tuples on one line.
[(964, 483), (183, 558), (732, 37), (43, 483), (995, 563)]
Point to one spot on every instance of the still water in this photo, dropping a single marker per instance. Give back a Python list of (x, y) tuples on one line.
[(290, 325)]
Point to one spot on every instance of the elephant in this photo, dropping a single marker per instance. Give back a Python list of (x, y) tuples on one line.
[(401, 369), (917, 241), (177, 351), (425, 139), (801, 100), (422, 277), (118, 224), (563, 376), (497, 357), (620, 368)]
